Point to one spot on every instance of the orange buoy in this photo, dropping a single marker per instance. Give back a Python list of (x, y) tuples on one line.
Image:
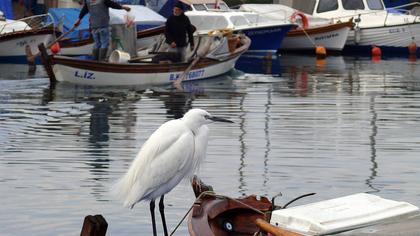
[(376, 51), (412, 48), (412, 58), (376, 58), (320, 52), (55, 48)]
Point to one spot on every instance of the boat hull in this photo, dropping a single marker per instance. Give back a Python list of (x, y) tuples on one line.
[(332, 37), (266, 38), (101, 77), (12, 45), (391, 39)]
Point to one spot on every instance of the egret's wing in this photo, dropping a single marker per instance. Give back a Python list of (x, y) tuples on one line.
[(159, 160)]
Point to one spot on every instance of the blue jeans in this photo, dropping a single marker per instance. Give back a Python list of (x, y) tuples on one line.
[(101, 37)]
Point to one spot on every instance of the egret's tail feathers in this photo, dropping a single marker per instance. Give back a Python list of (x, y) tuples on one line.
[(126, 191)]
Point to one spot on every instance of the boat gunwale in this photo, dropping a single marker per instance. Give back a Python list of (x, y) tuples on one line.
[(320, 29), (26, 33)]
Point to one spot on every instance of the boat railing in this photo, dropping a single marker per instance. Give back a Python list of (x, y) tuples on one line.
[(36, 22), (408, 12), (357, 16)]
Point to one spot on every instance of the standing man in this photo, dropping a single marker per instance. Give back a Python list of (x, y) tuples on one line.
[(99, 24), (177, 27)]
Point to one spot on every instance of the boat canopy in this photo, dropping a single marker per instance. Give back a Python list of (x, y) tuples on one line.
[(144, 18)]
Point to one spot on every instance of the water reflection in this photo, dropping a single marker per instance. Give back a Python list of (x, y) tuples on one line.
[(335, 127), (19, 72), (372, 137)]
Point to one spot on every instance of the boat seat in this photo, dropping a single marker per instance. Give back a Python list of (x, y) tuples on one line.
[(141, 58)]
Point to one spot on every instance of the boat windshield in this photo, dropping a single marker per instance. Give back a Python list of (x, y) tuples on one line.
[(375, 5), (353, 4), (327, 5), (221, 6), (199, 7)]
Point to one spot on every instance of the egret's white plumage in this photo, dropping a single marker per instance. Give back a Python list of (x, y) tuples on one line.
[(174, 151)]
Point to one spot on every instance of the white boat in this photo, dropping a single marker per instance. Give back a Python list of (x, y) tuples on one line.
[(342, 214), (266, 35), (214, 55), (392, 31), (311, 32), (15, 35)]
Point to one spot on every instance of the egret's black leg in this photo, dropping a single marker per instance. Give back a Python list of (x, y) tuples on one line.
[(162, 214), (152, 212)]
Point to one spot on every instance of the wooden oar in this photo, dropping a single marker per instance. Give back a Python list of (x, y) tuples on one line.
[(31, 58), (273, 230), (184, 75)]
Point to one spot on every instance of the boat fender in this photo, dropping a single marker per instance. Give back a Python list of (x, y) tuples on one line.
[(356, 35), (55, 48), (305, 21), (376, 51), (412, 48)]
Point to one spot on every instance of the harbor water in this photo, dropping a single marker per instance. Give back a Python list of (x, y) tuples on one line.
[(335, 127)]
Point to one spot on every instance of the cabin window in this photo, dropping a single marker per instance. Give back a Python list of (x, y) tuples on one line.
[(327, 5), (199, 7), (353, 5), (209, 22), (238, 20), (375, 5)]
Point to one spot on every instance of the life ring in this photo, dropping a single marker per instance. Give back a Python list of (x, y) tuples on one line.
[(305, 21)]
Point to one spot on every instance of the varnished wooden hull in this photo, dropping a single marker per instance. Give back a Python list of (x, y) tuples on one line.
[(223, 216)]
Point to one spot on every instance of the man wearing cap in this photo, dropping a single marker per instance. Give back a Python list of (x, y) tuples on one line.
[(99, 24), (177, 27)]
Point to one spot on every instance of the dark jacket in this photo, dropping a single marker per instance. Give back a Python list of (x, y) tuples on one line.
[(99, 12), (176, 30)]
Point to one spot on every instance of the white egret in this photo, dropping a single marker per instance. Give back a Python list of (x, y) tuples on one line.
[(173, 152)]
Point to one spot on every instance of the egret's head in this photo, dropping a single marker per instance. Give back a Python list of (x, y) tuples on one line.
[(202, 117)]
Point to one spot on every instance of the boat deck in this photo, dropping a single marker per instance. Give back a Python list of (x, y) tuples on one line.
[(401, 227)]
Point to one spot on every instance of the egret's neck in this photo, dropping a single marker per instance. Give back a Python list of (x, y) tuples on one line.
[(194, 126)]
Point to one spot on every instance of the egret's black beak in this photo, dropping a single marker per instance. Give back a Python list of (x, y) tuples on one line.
[(219, 119)]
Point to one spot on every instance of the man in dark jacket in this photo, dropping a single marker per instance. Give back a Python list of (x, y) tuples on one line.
[(99, 24), (178, 26)]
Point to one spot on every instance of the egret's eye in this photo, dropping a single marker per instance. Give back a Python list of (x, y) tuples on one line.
[(206, 117)]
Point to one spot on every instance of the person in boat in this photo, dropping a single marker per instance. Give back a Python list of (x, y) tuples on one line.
[(99, 24), (177, 28)]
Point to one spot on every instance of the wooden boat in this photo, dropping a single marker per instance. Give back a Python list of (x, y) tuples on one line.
[(356, 214), (15, 35), (218, 215), (213, 55)]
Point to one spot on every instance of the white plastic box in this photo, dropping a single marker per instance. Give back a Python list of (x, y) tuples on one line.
[(341, 214)]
